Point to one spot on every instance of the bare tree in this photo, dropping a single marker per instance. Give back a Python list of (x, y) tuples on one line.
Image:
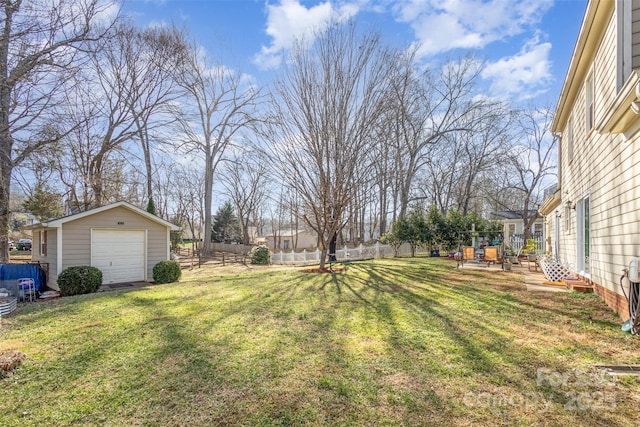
[(327, 104), (220, 103), (187, 197), (244, 178), (40, 46), (148, 64), (480, 148), (530, 161), (424, 110)]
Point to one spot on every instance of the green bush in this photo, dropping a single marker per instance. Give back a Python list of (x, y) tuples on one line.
[(260, 255), (166, 272), (81, 279)]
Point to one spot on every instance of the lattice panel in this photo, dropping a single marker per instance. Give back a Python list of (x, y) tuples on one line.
[(552, 269)]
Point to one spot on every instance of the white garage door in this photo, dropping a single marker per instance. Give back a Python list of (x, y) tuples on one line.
[(119, 254)]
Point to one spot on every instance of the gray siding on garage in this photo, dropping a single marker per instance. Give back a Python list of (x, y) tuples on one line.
[(51, 256), (76, 236)]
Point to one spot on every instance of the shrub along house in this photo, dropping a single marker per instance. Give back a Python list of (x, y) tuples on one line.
[(123, 241)]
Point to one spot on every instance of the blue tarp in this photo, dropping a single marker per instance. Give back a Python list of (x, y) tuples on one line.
[(13, 272)]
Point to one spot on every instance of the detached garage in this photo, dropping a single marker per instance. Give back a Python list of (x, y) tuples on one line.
[(123, 241)]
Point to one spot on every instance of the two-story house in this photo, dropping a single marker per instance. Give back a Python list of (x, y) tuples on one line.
[(593, 219)]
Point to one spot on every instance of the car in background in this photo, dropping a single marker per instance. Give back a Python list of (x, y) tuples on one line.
[(10, 245), (24, 245)]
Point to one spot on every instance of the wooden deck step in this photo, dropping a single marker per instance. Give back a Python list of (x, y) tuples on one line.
[(578, 286)]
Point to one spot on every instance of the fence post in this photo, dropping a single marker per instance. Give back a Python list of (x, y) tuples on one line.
[(304, 256)]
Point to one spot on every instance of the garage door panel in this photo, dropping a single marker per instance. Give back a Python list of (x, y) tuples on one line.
[(119, 254)]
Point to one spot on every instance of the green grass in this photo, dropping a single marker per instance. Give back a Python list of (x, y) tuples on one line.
[(389, 342)]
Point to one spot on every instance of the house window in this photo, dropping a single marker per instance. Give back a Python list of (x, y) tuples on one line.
[(589, 102), (537, 228), (287, 244), (43, 242), (570, 140), (624, 45)]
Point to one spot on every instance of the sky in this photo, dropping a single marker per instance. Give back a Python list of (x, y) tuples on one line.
[(526, 45)]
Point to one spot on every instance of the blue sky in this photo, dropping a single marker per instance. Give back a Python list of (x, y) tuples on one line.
[(526, 45)]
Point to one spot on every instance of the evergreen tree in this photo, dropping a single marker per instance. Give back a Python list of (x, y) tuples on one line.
[(226, 226), (44, 203), (151, 207)]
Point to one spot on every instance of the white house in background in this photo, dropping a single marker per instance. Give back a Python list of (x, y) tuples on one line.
[(513, 224), (594, 216), (123, 241), (292, 239)]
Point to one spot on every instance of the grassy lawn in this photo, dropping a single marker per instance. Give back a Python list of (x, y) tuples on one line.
[(389, 342)]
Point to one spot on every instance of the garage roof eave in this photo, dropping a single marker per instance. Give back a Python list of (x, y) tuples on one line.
[(57, 223)]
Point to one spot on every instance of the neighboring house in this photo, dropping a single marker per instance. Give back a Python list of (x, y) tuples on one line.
[(123, 241), (25, 218), (292, 239), (594, 216), (552, 217), (513, 224)]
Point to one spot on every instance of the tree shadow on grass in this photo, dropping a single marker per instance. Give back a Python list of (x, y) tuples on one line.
[(382, 343)]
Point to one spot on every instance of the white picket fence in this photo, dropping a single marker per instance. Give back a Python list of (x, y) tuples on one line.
[(517, 242), (377, 250)]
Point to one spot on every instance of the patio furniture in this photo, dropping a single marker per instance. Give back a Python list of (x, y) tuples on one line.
[(490, 255), (467, 253)]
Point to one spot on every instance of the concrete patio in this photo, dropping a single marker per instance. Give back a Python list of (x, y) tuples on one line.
[(533, 278)]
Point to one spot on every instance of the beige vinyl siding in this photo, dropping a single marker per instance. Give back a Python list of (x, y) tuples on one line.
[(635, 34), (50, 258), (77, 236), (604, 70), (606, 168)]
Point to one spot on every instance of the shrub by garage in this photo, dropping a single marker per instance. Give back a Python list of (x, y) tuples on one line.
[(166, 272), (82, 279)]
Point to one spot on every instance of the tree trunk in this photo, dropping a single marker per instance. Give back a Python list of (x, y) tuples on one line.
[(208, 201), (5, 186), (383, 211), (6, 145), (146, 150)]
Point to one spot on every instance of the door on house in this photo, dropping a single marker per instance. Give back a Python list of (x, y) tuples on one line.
[(583, 252), (556, 237)]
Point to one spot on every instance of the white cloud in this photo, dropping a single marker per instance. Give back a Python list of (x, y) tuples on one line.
[(443, 25), (289, 20), (525, 74), (106, 12)]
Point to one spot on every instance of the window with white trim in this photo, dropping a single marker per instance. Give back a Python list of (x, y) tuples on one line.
[(570, 140), (43, 242), (589, 107), (624, 42)]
